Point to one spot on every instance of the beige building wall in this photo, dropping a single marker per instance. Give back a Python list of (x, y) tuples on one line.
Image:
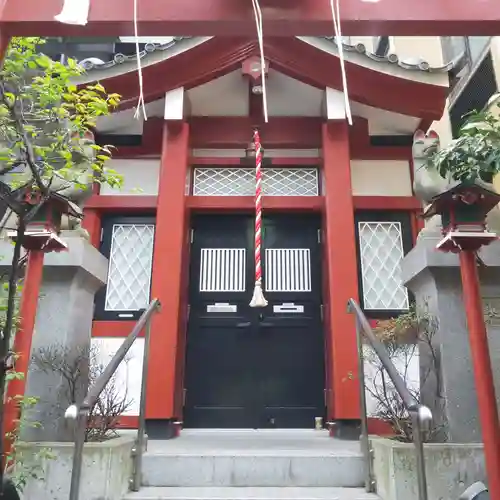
[(381, 178), (427, 48), (140, 177)]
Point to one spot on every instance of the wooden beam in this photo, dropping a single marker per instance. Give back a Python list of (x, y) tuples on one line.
[(236, 132), (247, 203), (235, 17)]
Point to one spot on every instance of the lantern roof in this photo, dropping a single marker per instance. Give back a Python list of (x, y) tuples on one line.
[(465, 193)]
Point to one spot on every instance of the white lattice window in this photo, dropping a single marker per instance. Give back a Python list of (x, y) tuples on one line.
[(288, 270), (130, 260), (241, 181), (381, 251)]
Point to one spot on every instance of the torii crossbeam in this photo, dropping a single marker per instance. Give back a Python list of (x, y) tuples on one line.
[(235, 17)]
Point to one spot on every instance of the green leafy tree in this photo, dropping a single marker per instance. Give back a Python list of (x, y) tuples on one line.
[(44, 118), (46, 147), (475, 153)]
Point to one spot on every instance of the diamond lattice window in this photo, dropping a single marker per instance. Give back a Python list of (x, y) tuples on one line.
[(241, 182), (381, 249), (130, 260)]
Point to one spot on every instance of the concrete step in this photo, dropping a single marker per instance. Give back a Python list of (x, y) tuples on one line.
[(336, 469), (217, 493), (259, 459)]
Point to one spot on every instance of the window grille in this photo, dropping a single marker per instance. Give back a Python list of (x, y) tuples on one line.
[(130, 261), (381, 250), (222, 270), (240, 181), (128, 244), (288, 270)]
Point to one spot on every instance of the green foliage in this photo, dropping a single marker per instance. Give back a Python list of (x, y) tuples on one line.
[(45, 117), (4, 290), (22, 466), (475, 154)]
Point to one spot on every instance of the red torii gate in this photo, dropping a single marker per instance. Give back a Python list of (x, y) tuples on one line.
[(235, 17), (282, 18)]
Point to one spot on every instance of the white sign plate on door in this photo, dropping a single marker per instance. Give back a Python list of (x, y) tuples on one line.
[(288, 307), (222, 307)]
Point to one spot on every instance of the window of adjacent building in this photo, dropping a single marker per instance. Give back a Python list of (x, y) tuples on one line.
[(127, 242), (467, 52), (383, 238), (474, 94)]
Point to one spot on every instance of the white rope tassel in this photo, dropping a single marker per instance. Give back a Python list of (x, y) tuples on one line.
[(258, 299), (260, 38), (140, 102), (338, 37), (74, 12)]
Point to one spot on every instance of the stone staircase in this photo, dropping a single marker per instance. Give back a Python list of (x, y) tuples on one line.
[(252, 465)]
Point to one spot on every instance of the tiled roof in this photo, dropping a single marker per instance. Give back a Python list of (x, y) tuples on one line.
[(91, 63), (411, 64)]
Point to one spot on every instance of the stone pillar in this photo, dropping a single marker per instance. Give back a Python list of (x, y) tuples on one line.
[(64, 318), (434, 279)]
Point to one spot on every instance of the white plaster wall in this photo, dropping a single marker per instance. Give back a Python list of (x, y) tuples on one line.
[(129, 374), (407, 364), (380, 178), (140, 177)]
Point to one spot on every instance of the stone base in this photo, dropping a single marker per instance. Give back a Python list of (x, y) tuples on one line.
[(106, 471), (435, 281), (450, 468), (63, 323), (346, 429)]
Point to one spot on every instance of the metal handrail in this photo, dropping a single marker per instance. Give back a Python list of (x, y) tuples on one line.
[(81, 413), (421, 415)]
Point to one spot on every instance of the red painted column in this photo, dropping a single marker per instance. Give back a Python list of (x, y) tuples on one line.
[(92, 223), (167, 272), (343, 395), (24, 335), (483, 374)]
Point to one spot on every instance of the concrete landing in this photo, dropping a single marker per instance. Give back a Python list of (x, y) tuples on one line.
[(253, 458), (250, 441), (251, 494)]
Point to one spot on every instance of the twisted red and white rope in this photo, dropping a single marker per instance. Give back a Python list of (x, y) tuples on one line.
[(258, 299), (258, 206)]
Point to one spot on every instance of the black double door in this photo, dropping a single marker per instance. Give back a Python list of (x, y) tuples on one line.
[(254, 367)]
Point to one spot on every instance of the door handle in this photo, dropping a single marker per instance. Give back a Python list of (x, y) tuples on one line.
[(245, 324), (266, 324)]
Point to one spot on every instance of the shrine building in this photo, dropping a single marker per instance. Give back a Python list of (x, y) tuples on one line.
[(338, 215)]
